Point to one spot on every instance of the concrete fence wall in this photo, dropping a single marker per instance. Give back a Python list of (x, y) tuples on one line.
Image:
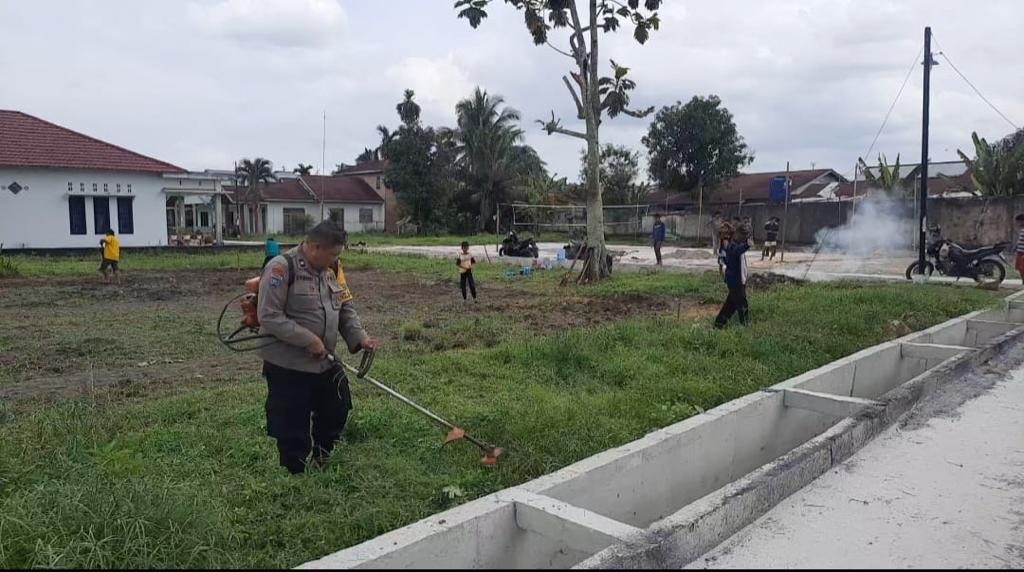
[(970, 221)]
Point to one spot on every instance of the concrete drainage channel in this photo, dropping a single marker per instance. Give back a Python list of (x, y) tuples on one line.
[(665, 499)]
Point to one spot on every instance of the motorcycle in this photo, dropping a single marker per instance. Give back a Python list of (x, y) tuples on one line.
[(512, 246), (983, 265)]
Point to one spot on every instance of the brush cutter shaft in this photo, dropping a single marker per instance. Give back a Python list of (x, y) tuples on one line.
[(408, 402)]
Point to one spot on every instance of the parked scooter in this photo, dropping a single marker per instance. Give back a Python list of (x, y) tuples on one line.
[(512, 246), (985, 265)]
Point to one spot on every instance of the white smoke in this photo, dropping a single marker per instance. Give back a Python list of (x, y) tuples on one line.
[(878, 226)]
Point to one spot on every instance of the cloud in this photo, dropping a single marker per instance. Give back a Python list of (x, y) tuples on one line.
[(273, 23), (439, 83)]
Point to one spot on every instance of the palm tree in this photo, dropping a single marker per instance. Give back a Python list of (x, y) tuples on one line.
[(303, 170), (996, 170), (489, 151), (408, 110), (367, 155), (250, 173)]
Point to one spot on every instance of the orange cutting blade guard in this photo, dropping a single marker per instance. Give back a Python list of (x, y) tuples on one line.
[(491, 458)]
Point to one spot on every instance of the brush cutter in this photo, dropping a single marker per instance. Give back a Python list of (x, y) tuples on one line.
[(247, 337), (491, 453)]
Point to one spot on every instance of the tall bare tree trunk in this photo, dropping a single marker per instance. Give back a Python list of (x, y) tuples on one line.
[(598, 264)]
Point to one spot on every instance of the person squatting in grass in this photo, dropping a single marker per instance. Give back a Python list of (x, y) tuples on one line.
[(305, 303), (735, 260), (111, 256), (465, 262)]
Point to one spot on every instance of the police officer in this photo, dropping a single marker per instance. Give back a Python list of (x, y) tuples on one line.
[(305, 303)]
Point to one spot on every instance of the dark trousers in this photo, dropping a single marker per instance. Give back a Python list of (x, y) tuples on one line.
[(735, 302), (305, 412), (657, 250), (464, 279)]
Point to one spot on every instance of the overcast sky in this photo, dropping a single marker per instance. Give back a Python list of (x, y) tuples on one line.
[(202, 83)]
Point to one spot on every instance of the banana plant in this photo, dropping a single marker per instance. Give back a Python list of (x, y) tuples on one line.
[(888, 178), (996, 171)]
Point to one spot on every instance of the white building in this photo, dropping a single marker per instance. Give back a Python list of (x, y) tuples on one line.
[(62, 189), (283, 206)]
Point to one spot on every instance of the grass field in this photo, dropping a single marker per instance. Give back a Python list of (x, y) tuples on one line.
[(130, 438)]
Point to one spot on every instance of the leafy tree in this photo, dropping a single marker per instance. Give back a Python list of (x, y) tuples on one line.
[(620, 168), (340, 168), (367, 155), (303, 170), (421, 169), (594, 95), (250, 173), (996, 170), (695, 145)]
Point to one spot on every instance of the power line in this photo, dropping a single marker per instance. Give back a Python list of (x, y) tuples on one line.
[(888, 114), (976, 90)]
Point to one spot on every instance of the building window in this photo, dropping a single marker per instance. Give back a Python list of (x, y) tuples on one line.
[(337, 216), (204, 219), (105, 189), (295, 221), (365, 215), (76, 214), (190, 218), (378, 182), (119, 187), (71, 187), (129, 187), (95, 188), (81, 187), (100, 214), (125, 216)]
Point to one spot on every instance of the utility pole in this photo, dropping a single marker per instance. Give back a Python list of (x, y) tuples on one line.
[(785, 215), (923, 221), (323, 167)]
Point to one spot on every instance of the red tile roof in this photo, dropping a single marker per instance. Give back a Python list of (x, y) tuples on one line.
[(343, 189), (27, 141), (366, 167)]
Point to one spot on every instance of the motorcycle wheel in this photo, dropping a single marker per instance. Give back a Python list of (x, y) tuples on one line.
[(501, 251), (994, 271), (929, 268)]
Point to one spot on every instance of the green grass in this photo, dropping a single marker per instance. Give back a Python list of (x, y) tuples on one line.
[(191, 479)]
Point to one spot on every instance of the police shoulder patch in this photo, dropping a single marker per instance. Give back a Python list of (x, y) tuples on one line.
[(275, 281)]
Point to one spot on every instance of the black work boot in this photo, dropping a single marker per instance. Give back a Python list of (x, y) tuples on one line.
[(745, 317)]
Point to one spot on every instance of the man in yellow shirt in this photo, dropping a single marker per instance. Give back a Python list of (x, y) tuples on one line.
[(111, 256)]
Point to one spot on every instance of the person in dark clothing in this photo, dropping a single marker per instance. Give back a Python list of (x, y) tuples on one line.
[(306, 305), (658, 237), (465, 262), (771, 240), (736, 279)]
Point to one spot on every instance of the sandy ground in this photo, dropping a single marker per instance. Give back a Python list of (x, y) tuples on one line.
[(945, 489), (805, 264)]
